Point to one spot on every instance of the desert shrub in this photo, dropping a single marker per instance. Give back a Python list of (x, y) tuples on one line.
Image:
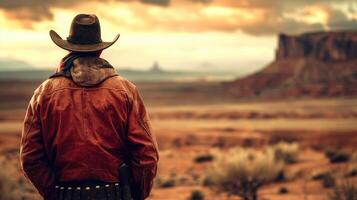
[(158, 181), (204, 158), (242, 172), (352, 168), (329, 152), (170, 182), (195, 177), (280, 136), (183, 180), (328, 181), (280, 176), (207, 181), (346, 190), (287, 152), (191, 139), (337, 156), (283, 190), (220, 142), (352, 172), (196, 195), (177, 142), (320, 175), (326, 178), (13, 186)]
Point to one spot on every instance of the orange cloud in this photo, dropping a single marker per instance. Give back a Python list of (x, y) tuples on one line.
[(257, 17)]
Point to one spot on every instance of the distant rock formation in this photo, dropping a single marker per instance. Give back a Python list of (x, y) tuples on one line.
[(323, 46), (156, 68), (311, 64)]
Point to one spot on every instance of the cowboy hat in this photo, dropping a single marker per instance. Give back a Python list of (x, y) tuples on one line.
[(84, 35)]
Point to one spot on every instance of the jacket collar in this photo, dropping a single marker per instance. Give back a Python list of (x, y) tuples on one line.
[(86, 70)]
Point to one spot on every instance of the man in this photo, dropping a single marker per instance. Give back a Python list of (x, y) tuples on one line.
[(84, 122)]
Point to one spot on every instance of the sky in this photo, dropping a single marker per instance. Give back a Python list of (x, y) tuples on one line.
[(229, 35)]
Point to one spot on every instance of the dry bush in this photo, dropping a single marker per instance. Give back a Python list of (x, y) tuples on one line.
[(346, 190), (165, 182), (317, 175), (327, 178), (13, 185), (242, 172), (173, 180), (328, 181), (281, 136), (337, 156), (204, 158), (8, 182), (352, 168), (168, 183), (283, 190), (286, 152), (196, 195)]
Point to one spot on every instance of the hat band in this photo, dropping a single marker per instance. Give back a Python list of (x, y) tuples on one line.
[(74, 41)]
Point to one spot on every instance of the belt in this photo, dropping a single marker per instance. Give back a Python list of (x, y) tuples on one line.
[(110, 191)]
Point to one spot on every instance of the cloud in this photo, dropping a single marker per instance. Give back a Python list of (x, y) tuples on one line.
[(273, 26), (256, 17), (38, 10), (157, 2), (339, 20)]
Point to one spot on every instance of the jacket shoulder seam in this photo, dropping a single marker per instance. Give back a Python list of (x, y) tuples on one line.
[(71, 88)]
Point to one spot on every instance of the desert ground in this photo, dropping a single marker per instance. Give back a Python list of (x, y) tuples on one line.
[(195, 121)]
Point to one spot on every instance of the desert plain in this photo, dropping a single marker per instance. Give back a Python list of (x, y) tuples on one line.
[(194, 121)]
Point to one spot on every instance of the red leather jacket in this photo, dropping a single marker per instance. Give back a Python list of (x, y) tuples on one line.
[(73, 132)]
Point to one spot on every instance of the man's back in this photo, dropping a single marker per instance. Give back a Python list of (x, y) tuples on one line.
[(84, 127)]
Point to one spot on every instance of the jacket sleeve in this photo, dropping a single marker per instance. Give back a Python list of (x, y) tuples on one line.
[(143, 147), (33, 157)]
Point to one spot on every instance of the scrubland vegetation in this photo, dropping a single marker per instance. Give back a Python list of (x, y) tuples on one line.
[(352, 169), (347, 190), (13, 186), (243, 172), (196, 195)]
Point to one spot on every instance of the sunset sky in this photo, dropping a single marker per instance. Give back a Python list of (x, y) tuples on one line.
[(179, 34)]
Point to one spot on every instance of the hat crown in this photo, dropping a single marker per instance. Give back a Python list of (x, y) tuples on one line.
[(85, 29)]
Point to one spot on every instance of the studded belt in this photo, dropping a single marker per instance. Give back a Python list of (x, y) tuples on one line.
[(94, 192)]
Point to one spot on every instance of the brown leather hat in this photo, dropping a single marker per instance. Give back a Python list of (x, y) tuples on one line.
[(84, 35)]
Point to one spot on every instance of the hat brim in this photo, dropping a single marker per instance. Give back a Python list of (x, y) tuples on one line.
[(64, 44)]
